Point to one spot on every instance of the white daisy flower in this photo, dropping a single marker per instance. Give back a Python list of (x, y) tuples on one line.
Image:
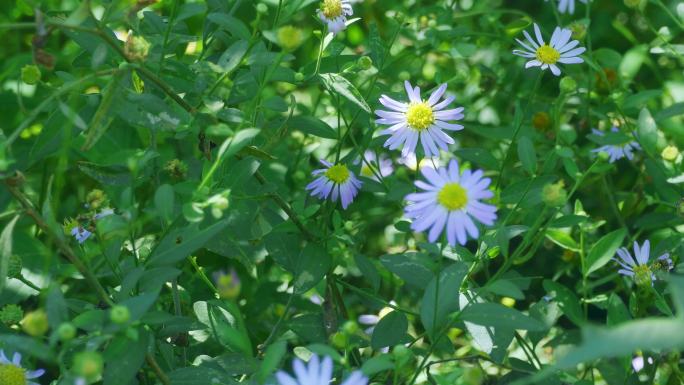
[(11, 372), (334, 13), (419, 119), (567, 6), (451, 199), (560, 50), (638, 267), (316, 373), (616, 151), (382, 164), (335, 179)]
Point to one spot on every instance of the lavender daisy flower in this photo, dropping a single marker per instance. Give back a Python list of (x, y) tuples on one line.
[(12, 373), (81, 234), (560, 50), (451, 199), (316, 373), (616, 151), (419, 119), (382, 165), (638, 267), (567, 6), (335, 179), (334, 13)]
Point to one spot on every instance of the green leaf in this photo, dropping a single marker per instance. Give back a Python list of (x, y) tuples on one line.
[(604, 250), (390, 331), (164, 202), (414, 268), (6, 250), (181, 242), (499, 317), (617, 311), (124, 357), (438, 304), (567, 301), (312, 126), (199, 375), (562, 239), (647, 131), (232, 145), (336, 83), (527, 155), (108, 175), (274, 354), (236, 27), (225, 324), (232, 57), (102, 118)]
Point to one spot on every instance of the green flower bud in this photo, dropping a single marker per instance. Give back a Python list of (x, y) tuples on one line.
[(228, 285), (568, 85), (14, 266), (88, 365), (340, 340), (365, 62), (299, 76), (66, 331), (289, 37), (176, 168), (119, 314), (11, 314), (579, 30), (670, 153), (554, 195), (350, 327), (30, 74), (35, 323), (96, 199), (136, 48), (262, 8)]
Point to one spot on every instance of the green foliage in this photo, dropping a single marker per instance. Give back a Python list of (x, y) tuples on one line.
[(160, 224)]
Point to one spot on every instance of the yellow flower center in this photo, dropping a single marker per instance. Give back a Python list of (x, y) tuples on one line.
[(452, 196), (547, 54), (12, 375), (642, 275), (338, 173), (420, 116), (331, 9)]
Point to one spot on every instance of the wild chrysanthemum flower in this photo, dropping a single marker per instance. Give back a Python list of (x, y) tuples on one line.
[(334, 13), (560, 50), (335, 179), (381, 164), (567, 6), (451, 199), (617, 151), (316, 373), (639, 267), (11, 372), (419, 119)]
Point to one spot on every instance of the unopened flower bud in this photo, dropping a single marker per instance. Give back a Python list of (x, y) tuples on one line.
[(30, 74), (289, 37), (365, 62), (66, 332), (119, 314), (541, 121), (568, 85), (35, 323), (262, 8), (88, 365), (136, 48), (670, 153), (228, 285), (554, 195)]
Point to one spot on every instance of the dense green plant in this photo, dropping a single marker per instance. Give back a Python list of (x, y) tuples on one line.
[(210, 192)]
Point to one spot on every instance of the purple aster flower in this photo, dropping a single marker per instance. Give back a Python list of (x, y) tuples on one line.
[(334, 13), (381, 164), (80, 233), (616, 151), (560, 50), (638, 266), (13, 371), (567, 6), (335, 179), (419, 119), (451, 200), (316, 373)]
